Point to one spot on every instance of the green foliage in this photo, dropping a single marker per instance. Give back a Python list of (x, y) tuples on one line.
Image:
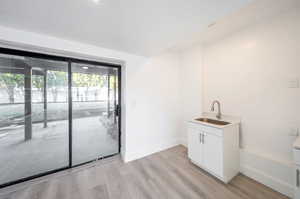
[(57, 79), (87, 80), (113, 81), (54, 79), (38, 81), (9, 80)]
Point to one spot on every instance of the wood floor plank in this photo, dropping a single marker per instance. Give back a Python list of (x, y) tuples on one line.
[(117, 186), (253, 189), (168, 184), (165, 175), (156, 188), (23, 193), (200, 182), (100, 192), (184, 184)]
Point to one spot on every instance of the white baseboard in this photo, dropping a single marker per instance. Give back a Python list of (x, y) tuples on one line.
[(130, 156), (183, 141), (275, 174)]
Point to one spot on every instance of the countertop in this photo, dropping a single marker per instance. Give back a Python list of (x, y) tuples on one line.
[(227, 118)]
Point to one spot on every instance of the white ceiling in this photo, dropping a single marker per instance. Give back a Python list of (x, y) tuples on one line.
[(255, 12), (143, 27)]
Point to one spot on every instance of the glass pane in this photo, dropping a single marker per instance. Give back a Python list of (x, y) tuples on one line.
[(95, 123), (33, 117)]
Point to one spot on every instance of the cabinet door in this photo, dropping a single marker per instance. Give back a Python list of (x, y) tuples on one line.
[(195, 148), (213, 153)]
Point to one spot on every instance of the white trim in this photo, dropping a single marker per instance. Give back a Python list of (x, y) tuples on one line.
[(143, 153), (269, 181), (63, 53), (260, 168), (183, 141)]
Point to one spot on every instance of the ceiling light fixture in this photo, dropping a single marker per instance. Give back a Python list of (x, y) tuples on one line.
[(85, 67), (96, 1)]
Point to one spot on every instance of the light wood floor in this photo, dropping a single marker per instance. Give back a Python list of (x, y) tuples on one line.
[(164, 175)]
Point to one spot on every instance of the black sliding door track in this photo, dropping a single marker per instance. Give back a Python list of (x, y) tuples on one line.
[(69, 60)]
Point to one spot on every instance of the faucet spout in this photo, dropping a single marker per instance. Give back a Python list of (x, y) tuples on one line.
[(219, 115)]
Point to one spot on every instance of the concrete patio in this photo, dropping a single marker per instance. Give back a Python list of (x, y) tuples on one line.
[(49, 147)]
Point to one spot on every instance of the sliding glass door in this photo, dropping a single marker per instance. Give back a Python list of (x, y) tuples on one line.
[(33, 117), (55, 113), (94, 113)]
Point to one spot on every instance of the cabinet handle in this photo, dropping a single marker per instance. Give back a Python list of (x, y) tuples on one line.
[(298, 180), (200, 138), (203, 138)]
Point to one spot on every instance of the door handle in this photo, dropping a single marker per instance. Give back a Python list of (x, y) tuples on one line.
[(117, 110), (297, 178)]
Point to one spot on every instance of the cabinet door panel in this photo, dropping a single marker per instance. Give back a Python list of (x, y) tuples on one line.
[(213, 153), (195, 148)]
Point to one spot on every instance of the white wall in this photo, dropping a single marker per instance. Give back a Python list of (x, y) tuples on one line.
[(150, 91), (249, 73), (153, 99), (190, 86)]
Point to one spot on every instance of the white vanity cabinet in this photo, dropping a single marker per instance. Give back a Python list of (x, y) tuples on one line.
[(296, 152), (297, 182), (215, 149)]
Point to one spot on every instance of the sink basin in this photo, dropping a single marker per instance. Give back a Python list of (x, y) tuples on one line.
[(212, 121)]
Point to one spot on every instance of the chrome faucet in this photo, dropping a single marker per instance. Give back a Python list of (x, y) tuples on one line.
[(219, 115)]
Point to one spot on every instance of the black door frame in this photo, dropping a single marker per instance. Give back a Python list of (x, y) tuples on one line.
[(68, 60)]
